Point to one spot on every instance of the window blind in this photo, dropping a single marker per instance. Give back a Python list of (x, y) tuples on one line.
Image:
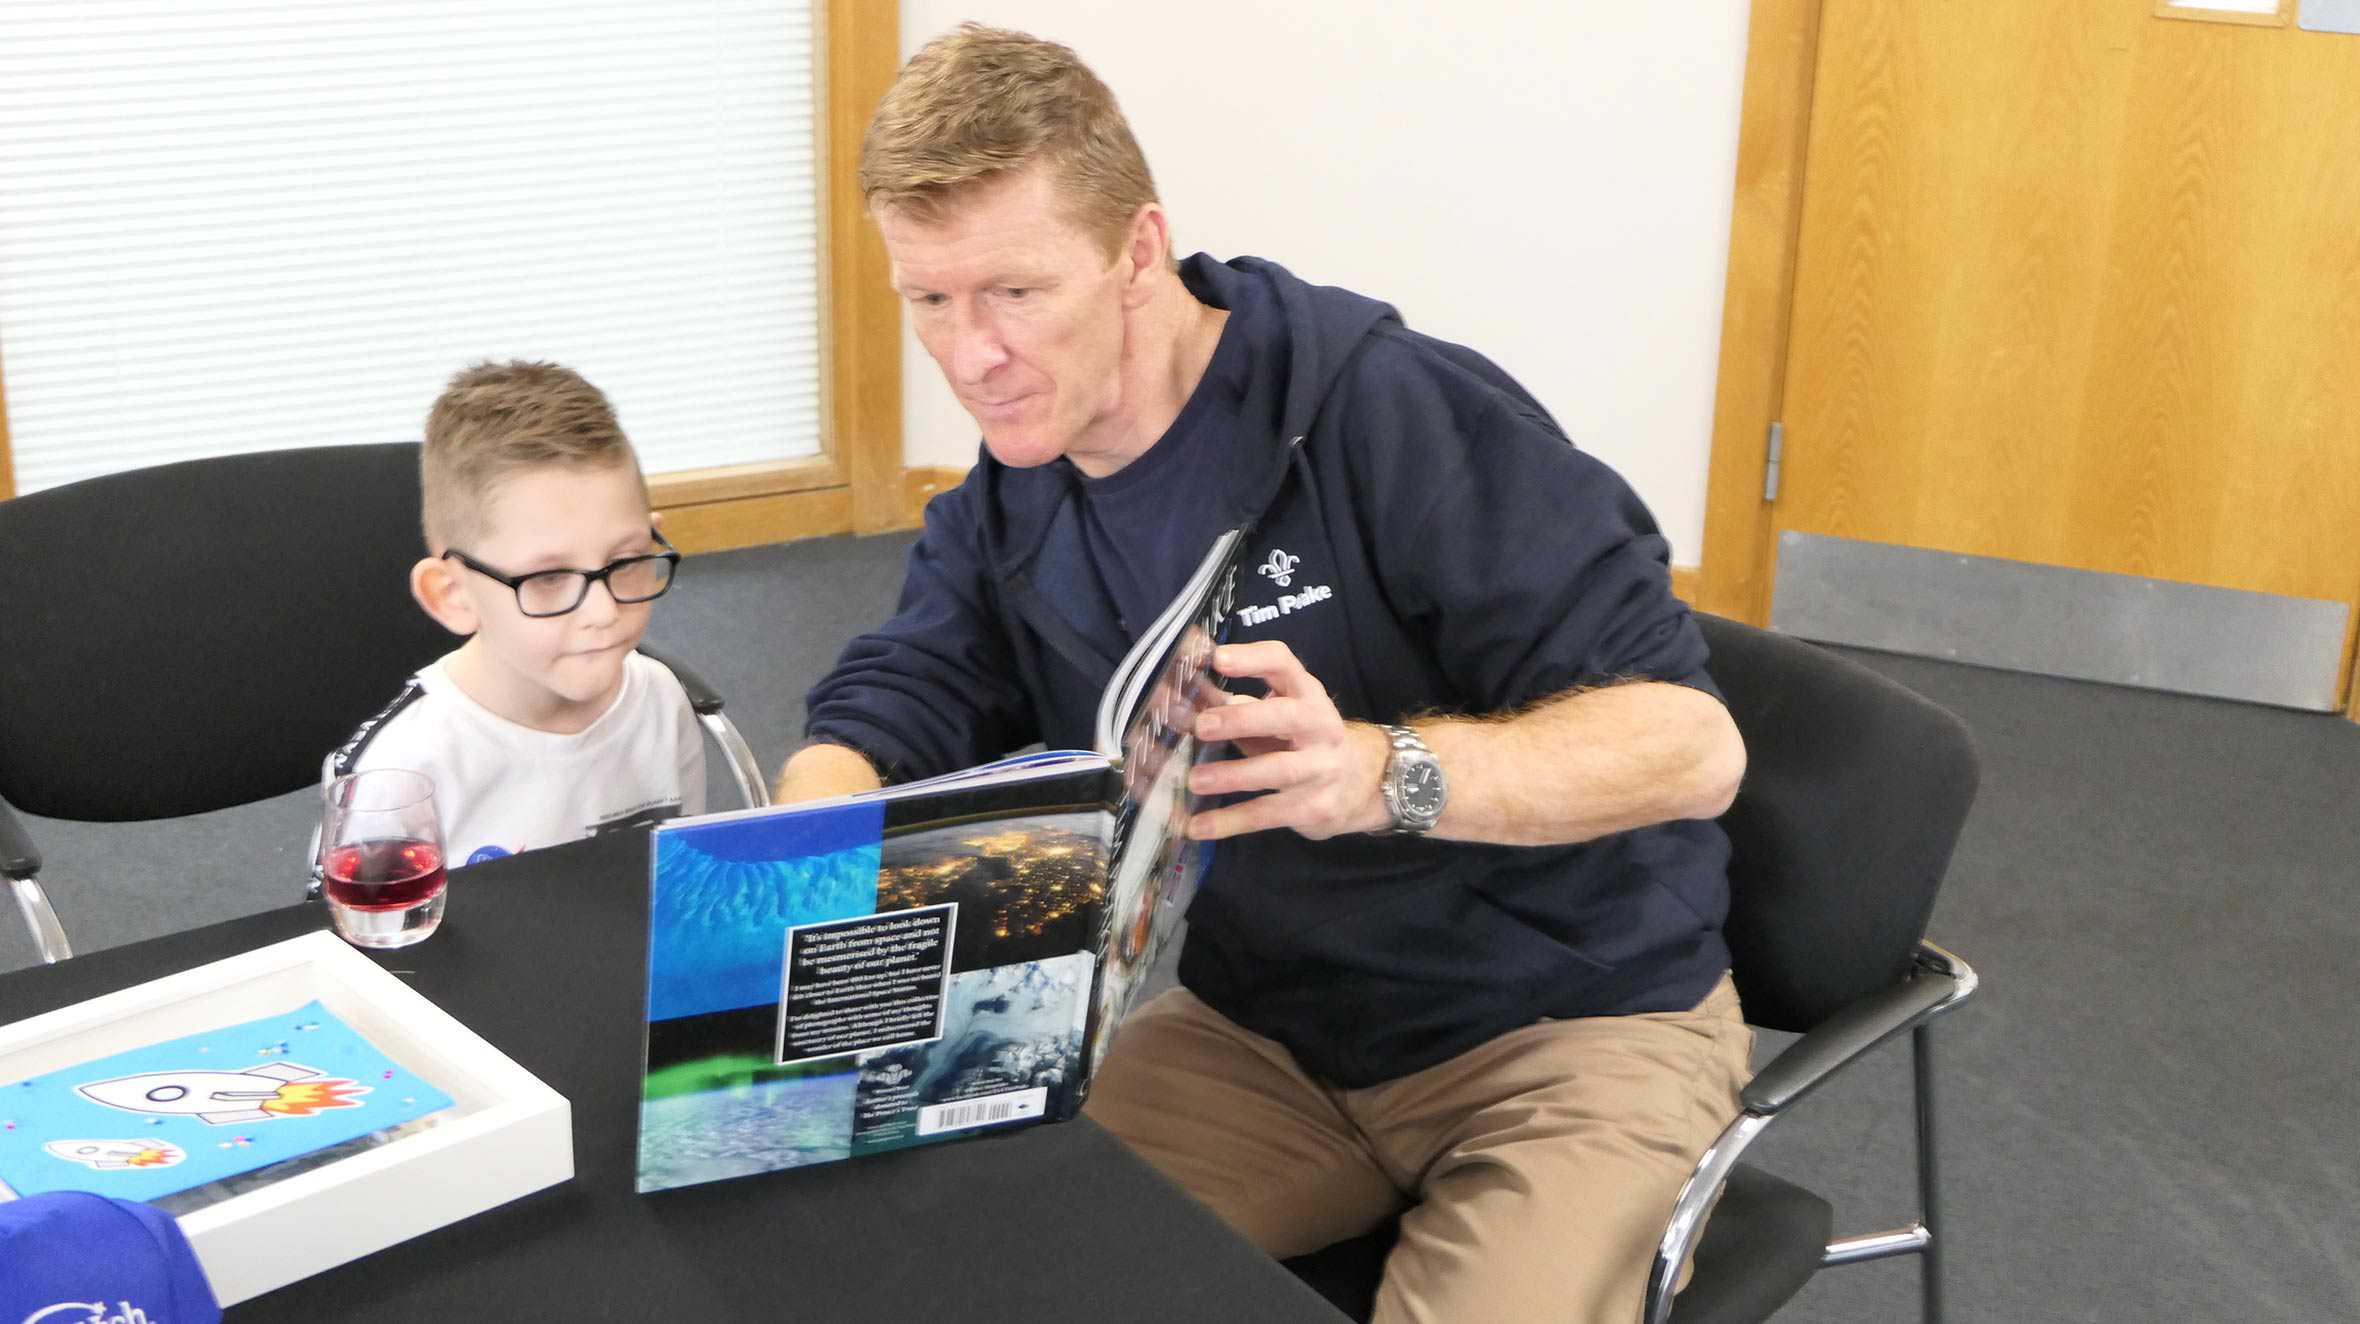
[(243, 226)]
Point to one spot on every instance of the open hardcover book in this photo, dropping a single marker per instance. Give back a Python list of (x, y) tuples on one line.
[(928, 961)]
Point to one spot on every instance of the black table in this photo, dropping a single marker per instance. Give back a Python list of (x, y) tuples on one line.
[(545, 956)]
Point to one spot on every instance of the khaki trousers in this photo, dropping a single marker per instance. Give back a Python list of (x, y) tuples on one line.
[(1537, 1171)]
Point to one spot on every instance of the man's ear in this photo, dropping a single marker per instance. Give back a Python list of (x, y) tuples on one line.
[(1147, 249), (434, 582)]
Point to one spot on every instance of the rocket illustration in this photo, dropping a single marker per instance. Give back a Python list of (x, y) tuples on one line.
[(106, 1154), (265, 1093)]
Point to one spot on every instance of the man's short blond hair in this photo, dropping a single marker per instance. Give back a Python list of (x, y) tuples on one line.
[(975, 104), (496, 420)]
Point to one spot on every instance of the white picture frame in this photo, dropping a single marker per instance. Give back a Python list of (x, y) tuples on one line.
[(506, 1134)]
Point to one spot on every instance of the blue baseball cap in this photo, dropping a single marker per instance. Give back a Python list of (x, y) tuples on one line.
[(71, 1257)]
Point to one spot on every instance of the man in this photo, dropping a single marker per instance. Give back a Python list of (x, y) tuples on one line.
[(1459, 949)]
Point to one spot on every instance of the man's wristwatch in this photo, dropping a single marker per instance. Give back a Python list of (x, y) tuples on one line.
[(1414, 786)]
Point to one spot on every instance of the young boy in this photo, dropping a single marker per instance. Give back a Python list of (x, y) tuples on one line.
[(544, 726)]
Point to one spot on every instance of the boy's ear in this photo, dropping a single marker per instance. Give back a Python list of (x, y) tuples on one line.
[(434, 582)]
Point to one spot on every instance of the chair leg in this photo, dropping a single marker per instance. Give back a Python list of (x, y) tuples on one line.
[(1929, 1215)]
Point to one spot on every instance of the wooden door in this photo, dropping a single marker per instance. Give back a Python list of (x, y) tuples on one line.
[(2079, 285)]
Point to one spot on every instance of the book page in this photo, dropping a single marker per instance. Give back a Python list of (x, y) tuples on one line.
[(1204, 601), (1156, 867)]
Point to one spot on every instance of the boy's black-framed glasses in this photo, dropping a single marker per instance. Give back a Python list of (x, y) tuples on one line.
[(546, 593)]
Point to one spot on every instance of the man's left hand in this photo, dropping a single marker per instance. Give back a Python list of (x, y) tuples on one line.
[(1320, 771)]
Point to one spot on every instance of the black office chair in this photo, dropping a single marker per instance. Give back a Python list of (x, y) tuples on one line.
[(198, 635), (1854, 794)]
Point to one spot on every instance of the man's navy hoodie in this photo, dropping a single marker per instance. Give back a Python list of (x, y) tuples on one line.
[(1427, 541)]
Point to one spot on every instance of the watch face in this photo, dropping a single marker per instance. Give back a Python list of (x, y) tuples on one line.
[(1419, 794), (1421, 791)]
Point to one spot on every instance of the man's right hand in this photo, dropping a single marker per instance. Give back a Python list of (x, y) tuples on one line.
[(820, 771)]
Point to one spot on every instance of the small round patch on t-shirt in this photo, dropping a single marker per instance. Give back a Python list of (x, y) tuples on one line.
[(483, 853)]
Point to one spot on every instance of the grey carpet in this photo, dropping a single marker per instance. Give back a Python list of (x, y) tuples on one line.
[(2147, 1111)]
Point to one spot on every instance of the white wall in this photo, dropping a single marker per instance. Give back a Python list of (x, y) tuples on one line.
[(1546, 180)]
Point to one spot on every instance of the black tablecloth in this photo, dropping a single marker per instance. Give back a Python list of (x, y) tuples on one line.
[(545, 956)]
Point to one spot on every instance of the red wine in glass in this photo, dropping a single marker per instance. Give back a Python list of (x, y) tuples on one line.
[(381, 857), (384, 875)]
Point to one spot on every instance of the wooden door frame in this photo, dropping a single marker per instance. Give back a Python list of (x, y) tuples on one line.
[(1765, 230), (856, 483), (7, 465)]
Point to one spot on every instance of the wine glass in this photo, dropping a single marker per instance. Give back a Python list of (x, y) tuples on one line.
[(381, 857)]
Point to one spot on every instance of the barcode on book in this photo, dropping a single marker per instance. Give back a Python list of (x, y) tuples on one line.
[(991, 1108)]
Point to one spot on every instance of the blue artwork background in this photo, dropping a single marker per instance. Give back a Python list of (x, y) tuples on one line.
[(48, 1107), (725, 893)]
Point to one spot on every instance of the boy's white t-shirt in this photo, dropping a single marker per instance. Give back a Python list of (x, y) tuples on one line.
[(501, 788)]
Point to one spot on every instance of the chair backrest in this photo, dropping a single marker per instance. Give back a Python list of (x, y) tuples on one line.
[(198, 635), (1854, 794)]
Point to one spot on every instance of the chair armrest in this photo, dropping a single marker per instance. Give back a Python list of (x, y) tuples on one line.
[(1940, 982), (706, 701), (18, 857), (702, 697), (19, 861)]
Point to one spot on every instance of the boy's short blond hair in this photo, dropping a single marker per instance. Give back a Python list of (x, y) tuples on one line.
[(979, 102), (496, 420)]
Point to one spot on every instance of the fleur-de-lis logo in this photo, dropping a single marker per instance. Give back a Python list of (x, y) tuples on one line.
[(1281, 567)]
